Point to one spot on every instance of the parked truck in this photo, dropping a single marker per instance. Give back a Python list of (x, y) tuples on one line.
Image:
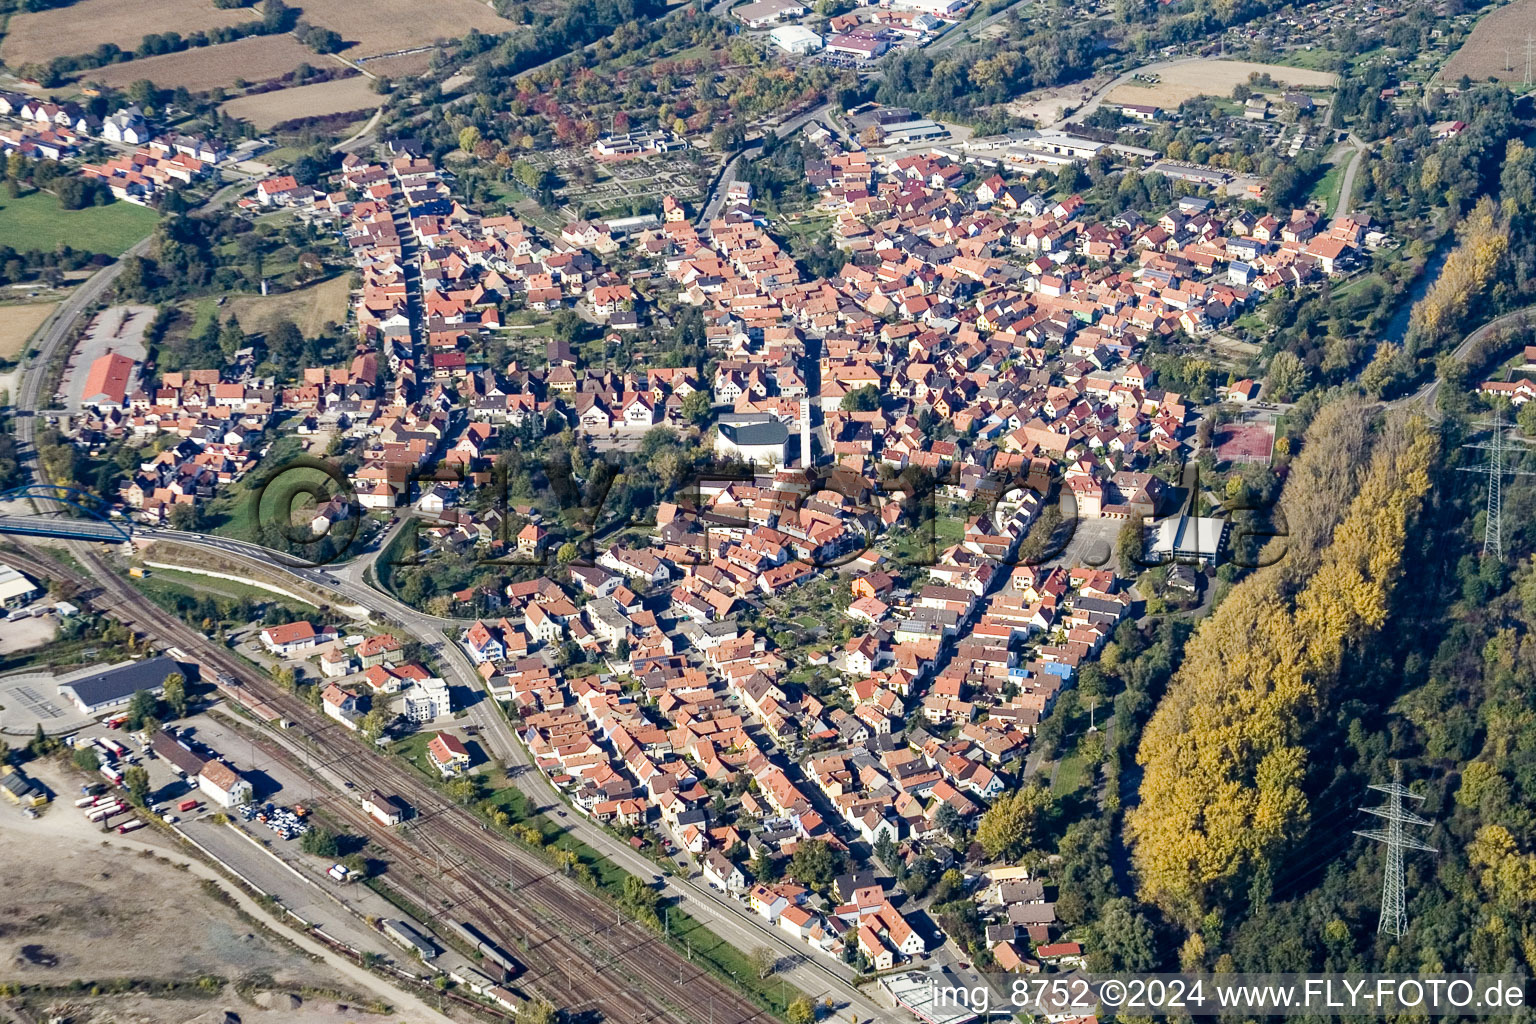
[(103, 813)]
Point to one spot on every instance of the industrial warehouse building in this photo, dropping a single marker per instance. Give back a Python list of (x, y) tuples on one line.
[(115, 687), (795, 39), (16, 590)]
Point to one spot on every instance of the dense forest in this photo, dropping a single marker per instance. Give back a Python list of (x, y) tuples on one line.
[(1379, 643)]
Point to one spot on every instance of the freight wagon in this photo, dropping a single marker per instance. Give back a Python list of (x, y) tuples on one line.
[(492, 953)]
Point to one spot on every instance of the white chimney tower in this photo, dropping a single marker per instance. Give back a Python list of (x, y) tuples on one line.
[(805, 433)]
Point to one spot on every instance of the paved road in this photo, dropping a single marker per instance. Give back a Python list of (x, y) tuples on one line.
[(56, 330), (1347, 189), (1426, 395), (724, 916), (61, 324), (361, 132), (716, 201), (967, 32)]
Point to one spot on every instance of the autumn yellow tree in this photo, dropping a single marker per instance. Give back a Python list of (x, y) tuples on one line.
[(1467, 271), (1225, 755)]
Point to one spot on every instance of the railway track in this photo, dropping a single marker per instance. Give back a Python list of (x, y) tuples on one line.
[(578, 953)]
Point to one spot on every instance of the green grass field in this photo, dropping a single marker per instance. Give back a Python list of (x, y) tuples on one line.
[(34, 221), (1326, 189), (161, 582)]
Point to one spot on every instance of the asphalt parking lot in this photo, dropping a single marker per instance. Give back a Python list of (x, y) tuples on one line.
[(32, 698), (1092, 543)]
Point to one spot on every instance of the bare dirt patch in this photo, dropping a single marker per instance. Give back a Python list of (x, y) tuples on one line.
[(17, 324), (309, 308), (1213, 78), (402, 65), (340, 96), (81, 27), (89, 912), (385, 26), (1496, 47), (25, 634), (254, 59)]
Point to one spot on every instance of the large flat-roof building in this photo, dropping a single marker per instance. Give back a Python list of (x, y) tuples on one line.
[(1189, 538), (763, 13), (115, 686), (16, 589), (795, 39), (765, 442)]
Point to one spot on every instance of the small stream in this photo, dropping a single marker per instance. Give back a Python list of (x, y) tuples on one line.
[(1397, 328)]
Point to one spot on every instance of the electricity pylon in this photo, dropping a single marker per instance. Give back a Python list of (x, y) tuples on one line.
[(1394, 900), (1496, 446)]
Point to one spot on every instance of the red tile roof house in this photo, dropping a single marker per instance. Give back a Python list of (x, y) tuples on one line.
[(448, 753), (295, 637)]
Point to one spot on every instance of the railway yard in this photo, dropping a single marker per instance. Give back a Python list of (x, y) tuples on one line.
[(574, 946)]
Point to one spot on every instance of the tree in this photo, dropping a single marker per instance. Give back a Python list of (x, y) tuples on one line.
[(1287, 377), (1130, 545), (885, 850), (85, 759), (764, 869), (1013, 822), (949, 821), (285, 343), (186, 517), (466, 789), (175, 695), (801, 1011), (376, 721), (568, 553), (814, 863), (136, 781), (1526, 417), (320, 841), (1127, 941), (696, 407), (764, 960), (538, 1012), (469, 138), (865, 399), (42, 744), (141, 706)]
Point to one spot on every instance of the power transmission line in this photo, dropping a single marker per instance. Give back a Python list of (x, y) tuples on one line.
[(1496, 447), (1394, 901)]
